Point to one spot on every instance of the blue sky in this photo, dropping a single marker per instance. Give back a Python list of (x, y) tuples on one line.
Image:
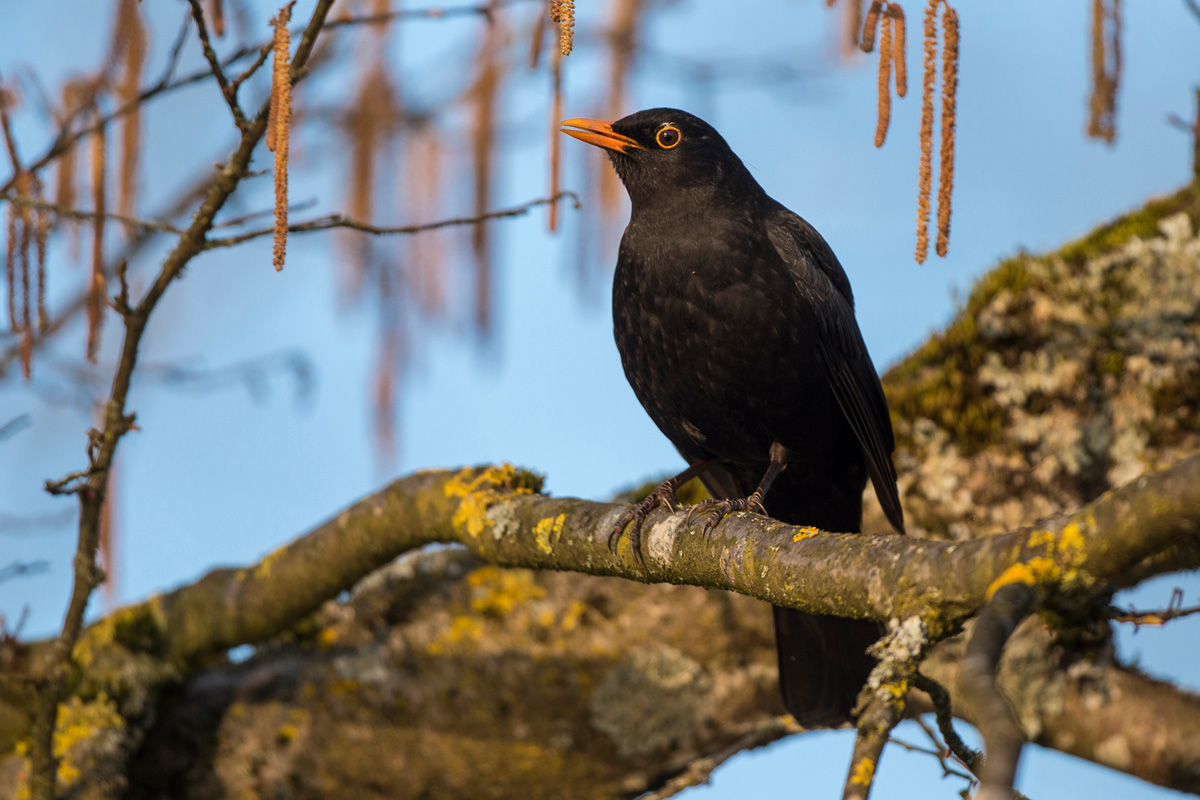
[(221, 478)]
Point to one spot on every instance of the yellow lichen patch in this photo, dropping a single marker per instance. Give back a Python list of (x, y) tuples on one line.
[(806, 532), (478, 492), (496, 592), (136, 627), (1041, 538), (1037, 570), (327, 638), (461, 629), (77, 722), (547, 532), (1070, 544), (263, 569), (863, 772)]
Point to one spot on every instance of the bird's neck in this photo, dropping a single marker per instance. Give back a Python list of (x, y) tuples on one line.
[(733, 196)]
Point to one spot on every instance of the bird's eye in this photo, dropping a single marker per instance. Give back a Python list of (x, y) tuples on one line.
[(667, 137)]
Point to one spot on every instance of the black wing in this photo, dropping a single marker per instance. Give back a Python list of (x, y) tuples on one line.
[(823, 282)]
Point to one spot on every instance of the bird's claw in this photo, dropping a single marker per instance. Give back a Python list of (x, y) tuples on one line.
[(663, 495), (713, 511)]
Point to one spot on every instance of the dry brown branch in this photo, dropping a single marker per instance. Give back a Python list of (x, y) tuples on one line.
[(228, 91), (925, 171), (279, 128), (949, 95), (883, 86), (97, 281)]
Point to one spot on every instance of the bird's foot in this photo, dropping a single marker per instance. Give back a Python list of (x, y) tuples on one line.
[(662, 496), (713, 511)]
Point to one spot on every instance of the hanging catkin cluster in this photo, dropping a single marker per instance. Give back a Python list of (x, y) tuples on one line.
[(949, 24), (279, 124), (885, 21), (562, 13), (889, 18)]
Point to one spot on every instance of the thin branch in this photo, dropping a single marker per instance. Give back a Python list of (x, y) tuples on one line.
[(945, 721), (332, 221), (1174, 610), (214, 63), (938, 753), (90, 216), (1002, 739)]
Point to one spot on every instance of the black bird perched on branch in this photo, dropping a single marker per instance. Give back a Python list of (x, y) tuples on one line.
[(736, 328)]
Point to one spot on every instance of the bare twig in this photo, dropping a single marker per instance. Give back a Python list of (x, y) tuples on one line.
[(91, 216), (228, 91), (1174, 610), (340, 221)]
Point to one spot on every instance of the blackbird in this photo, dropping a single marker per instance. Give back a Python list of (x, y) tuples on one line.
[(735, 323)]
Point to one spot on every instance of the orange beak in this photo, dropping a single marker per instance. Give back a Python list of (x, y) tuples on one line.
[(599, 133)]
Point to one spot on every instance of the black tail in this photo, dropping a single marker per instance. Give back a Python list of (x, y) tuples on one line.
[(823, 662)]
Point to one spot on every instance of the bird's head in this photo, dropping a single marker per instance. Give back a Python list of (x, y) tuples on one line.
[(664, 153)]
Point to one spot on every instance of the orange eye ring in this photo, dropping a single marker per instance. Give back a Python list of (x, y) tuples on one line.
[(668, 136)]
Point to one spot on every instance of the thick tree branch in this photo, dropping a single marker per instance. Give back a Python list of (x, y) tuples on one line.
[(496, 513)]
